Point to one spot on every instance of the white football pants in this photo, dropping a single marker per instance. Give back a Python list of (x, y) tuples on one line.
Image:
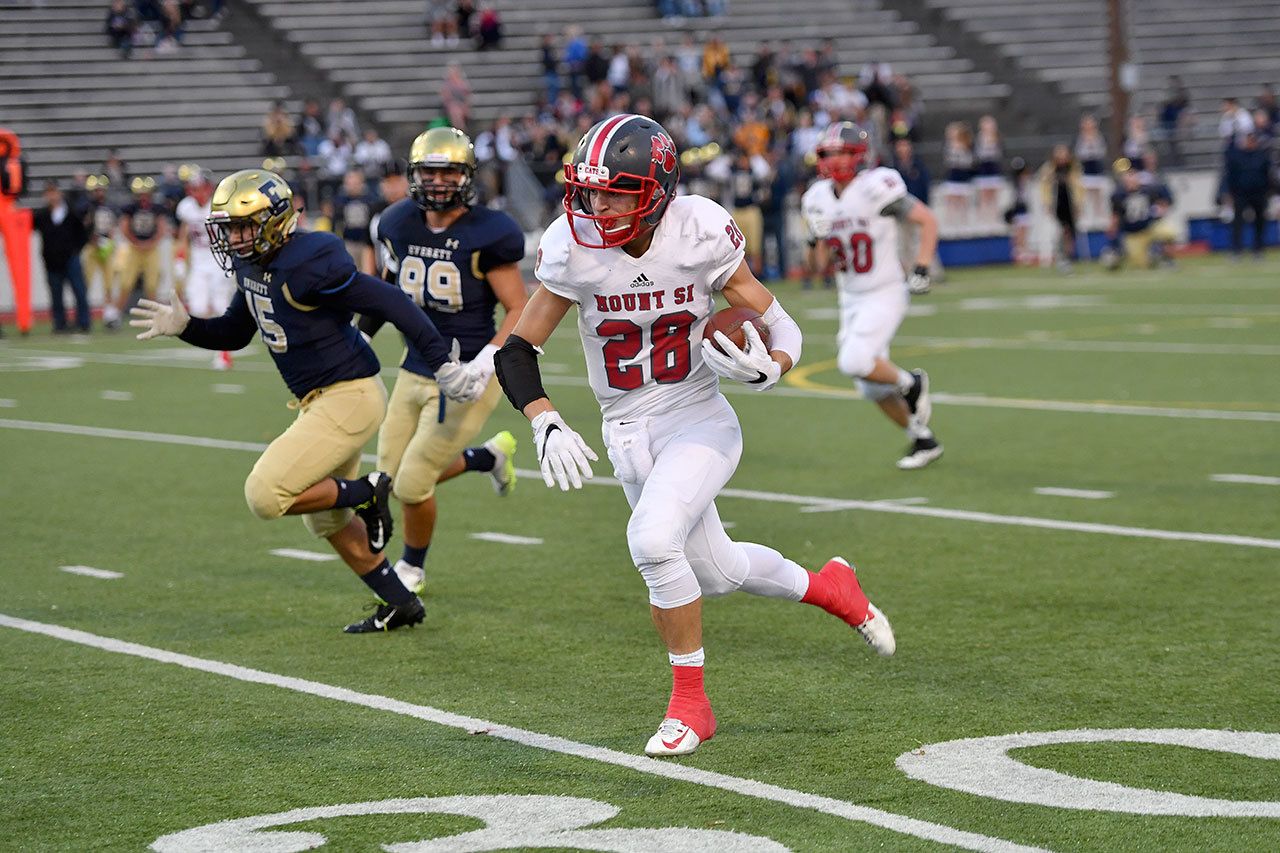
[(671, 467), (868, 322), (208, 290)]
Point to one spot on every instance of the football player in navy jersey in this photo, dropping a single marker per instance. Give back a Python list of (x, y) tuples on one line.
[(298, 291), (457, 262)]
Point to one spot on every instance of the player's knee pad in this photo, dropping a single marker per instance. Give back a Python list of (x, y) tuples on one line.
[(875, 391), (264, 499), (324, 524), (856, 360), (671, 582)]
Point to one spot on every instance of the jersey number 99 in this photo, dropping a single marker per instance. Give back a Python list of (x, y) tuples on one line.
[(441, 283)]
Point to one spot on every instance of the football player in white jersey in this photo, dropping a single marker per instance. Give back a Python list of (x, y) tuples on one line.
[(207, 289), (854, 214), (643, 267)]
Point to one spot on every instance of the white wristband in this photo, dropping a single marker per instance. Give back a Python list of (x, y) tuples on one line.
[(784, 334)]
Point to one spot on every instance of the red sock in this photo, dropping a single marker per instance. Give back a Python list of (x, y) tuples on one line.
[(836, 590), (689, 702)]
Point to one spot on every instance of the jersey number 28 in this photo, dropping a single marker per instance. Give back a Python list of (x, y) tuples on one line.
[(668, 362)]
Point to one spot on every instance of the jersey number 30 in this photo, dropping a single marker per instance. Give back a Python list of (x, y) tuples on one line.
[(669, 362), (442, 282), (858, 258)]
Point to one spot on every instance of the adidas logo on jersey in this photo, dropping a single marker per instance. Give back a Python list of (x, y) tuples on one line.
[(641, 280)]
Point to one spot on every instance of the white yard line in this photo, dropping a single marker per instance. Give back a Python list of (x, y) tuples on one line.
[(1030, 342), (1086, 494), (6, 403), (91, 572), (472, 725), (506, 538), (227, 388), (748, 494), (1252, 479), (118, 396), (300, 554)]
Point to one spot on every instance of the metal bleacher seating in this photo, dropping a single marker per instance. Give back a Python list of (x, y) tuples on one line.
[(70, 96), (1227, 47)]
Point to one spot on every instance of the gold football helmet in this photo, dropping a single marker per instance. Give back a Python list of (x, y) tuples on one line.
[(433, 155), (251, 217)]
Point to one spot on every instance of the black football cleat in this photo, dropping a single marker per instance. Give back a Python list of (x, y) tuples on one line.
[(921, 453), (917, 398), (388, 617), (376, 512)]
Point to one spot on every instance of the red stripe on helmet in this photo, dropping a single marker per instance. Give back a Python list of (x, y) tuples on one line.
[(602, 137)]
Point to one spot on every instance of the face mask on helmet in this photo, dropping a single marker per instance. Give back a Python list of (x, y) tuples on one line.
[(841, 163), (441, 187), (622, 179), (252, 217)]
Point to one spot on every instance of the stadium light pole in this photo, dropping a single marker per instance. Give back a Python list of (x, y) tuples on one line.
[(1118, 61)]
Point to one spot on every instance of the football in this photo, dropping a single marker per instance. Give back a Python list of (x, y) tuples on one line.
[(730, 322)]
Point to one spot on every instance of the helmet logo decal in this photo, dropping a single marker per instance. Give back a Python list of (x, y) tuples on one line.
[(663, 152)]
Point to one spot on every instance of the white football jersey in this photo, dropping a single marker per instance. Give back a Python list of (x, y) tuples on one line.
[(191, 214), (641, 319), (863, 241)]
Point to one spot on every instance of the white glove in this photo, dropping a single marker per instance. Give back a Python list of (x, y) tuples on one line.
[(919, 283), (481, 367), (159, 319), (562, 454), (819, 225), (752, 366), (456, 381)]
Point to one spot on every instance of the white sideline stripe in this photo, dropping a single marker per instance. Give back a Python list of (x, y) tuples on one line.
[(473, 725), (6, 403), (227, 388), (830, 504), (1254, 479), (837, 507), (91, 572), (506, 538), (782, 390), (1087, 494), (120, 396), (300, 554)]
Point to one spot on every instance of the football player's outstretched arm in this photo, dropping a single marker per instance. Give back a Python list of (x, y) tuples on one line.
[(563, 456), (744, 290), (232, 331)]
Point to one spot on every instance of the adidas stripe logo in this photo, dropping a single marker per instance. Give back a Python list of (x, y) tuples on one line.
[(641, 280)]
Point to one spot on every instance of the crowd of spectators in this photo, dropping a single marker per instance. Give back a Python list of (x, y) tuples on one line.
[(451, 21), (156, 25)]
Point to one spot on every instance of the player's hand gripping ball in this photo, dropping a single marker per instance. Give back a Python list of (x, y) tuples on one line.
[(729, 322)]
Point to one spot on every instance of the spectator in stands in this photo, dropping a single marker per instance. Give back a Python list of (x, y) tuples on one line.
[(1091, 153), (1173, 118), (121, 26), (774, 209), (442, 22), (618, 71), (1018, 215), (464, 13), (550, 67), (1061, 190), (748, 187), (372, 154), (957, 189), (171, 27), (804, 138), (62, 236), (989, 153), (752, 136), (1137, 141), (915, 174), (1247, 182), (335, 156), (875, 81), (495, 149), (1234, 124), (595, 68), (311, 128), (455, 96), (669, 94), (715, 60), (1268, 104), (341, 118), (575, 58), (353, 211), (489, 30), (277, 131)]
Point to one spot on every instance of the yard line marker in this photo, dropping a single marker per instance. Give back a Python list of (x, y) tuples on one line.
[(1254, 479), (6, 403), (841, 505), (119, 396), (506, 538), (91, 572), (551, 743), (747, 494), (1087, 494), (300, 554), (227, 388)]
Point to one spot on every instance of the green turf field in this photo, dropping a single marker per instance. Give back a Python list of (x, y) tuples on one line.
[(1150, 604)]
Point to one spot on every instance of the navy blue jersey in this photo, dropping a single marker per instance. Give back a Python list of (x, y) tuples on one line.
[(353, 213), (143, 219), (295, 301), (444, 273), (1135, 208)]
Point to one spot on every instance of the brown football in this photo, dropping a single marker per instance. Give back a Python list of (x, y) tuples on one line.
[(729, 321)]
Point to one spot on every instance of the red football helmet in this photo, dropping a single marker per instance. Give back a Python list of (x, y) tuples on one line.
[(842, 148), (629, 154)]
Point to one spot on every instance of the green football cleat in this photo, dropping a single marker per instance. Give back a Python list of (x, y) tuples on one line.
[(503, 448)]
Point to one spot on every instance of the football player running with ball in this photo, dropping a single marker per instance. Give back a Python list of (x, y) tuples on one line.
[(643, 268), (456, 262), (854, 214), (298, 291)]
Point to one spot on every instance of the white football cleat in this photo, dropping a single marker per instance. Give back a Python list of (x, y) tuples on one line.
[(672, 738), (877, 631), (413, 578)]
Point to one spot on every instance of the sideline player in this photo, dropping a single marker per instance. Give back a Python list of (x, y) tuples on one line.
[(456, 262), (854, 214), (207, 288), (298, 291), (643, 267)]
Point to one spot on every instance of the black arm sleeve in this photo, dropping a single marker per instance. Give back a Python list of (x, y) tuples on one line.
[(516, 366), (370, 324), (232, 331), (373, 297)]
